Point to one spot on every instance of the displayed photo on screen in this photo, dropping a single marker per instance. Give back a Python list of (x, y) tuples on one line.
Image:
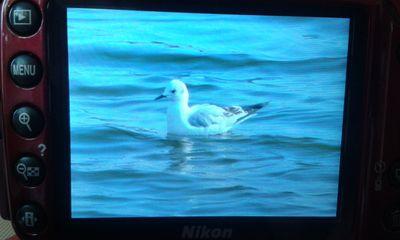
[(194, 115)]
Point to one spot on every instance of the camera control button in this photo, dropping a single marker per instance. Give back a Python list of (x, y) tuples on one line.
[(24, 18), (31, 219), (392, 219), (398, 52), (30, 171), (394, 174), (28, 122), (26, 70)]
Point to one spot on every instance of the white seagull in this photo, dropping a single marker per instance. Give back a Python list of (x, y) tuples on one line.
[(202, 119)]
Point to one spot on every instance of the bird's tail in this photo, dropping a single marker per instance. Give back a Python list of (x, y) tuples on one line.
[(251, 110)]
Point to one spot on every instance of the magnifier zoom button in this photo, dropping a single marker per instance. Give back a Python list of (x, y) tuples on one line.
[(30, 171), (28, 122)]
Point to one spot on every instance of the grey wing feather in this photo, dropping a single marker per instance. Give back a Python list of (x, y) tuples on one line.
[(205, 115), (201, 119), (231, 111)]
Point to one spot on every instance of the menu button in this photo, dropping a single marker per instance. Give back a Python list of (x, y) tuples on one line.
[(26, 70)]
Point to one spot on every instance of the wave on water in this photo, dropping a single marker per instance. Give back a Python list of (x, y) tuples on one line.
[(279, 162)]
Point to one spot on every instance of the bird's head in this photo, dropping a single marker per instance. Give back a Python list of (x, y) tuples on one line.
[(176, 91)]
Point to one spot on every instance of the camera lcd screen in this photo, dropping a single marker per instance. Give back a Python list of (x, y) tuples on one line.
[(205, 115)]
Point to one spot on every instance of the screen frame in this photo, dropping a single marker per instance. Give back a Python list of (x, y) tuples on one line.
[(243, 227)]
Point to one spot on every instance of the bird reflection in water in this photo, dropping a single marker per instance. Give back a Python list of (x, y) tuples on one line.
[(180, 152)]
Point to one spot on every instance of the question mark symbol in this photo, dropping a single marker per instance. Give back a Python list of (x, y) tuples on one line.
[(42, 149)]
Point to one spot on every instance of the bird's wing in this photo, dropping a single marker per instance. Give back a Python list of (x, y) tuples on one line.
[(205, 115), (233, 111)]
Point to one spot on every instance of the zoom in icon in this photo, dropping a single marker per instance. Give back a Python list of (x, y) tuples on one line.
[(28, 122)]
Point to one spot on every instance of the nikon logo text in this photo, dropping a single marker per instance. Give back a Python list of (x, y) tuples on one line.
[(203, 232)]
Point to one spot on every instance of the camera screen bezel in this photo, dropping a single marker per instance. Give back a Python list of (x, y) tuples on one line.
[(171, 227)]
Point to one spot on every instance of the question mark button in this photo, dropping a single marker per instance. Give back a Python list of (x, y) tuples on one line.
[(42, 148), (30, 171)]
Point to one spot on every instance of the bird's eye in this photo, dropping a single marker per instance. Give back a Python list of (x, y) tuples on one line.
[(173, 91)]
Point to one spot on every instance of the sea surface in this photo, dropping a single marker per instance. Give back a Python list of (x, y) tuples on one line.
[(282, 162)]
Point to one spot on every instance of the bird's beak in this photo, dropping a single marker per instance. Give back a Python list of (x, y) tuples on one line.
[(159, 97)]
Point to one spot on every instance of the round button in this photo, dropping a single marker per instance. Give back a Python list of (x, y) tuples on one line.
[(398, 52), (30, 171), (31, 219), (28, 122), (394, 174), (392, 219), (24, 18), (26, 70)]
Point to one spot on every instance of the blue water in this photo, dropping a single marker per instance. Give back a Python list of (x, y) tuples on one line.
[(282, 162)]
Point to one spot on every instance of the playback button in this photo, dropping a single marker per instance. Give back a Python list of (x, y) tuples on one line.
[(30, 171), (26, 70), (28, 122), (24, 18)]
